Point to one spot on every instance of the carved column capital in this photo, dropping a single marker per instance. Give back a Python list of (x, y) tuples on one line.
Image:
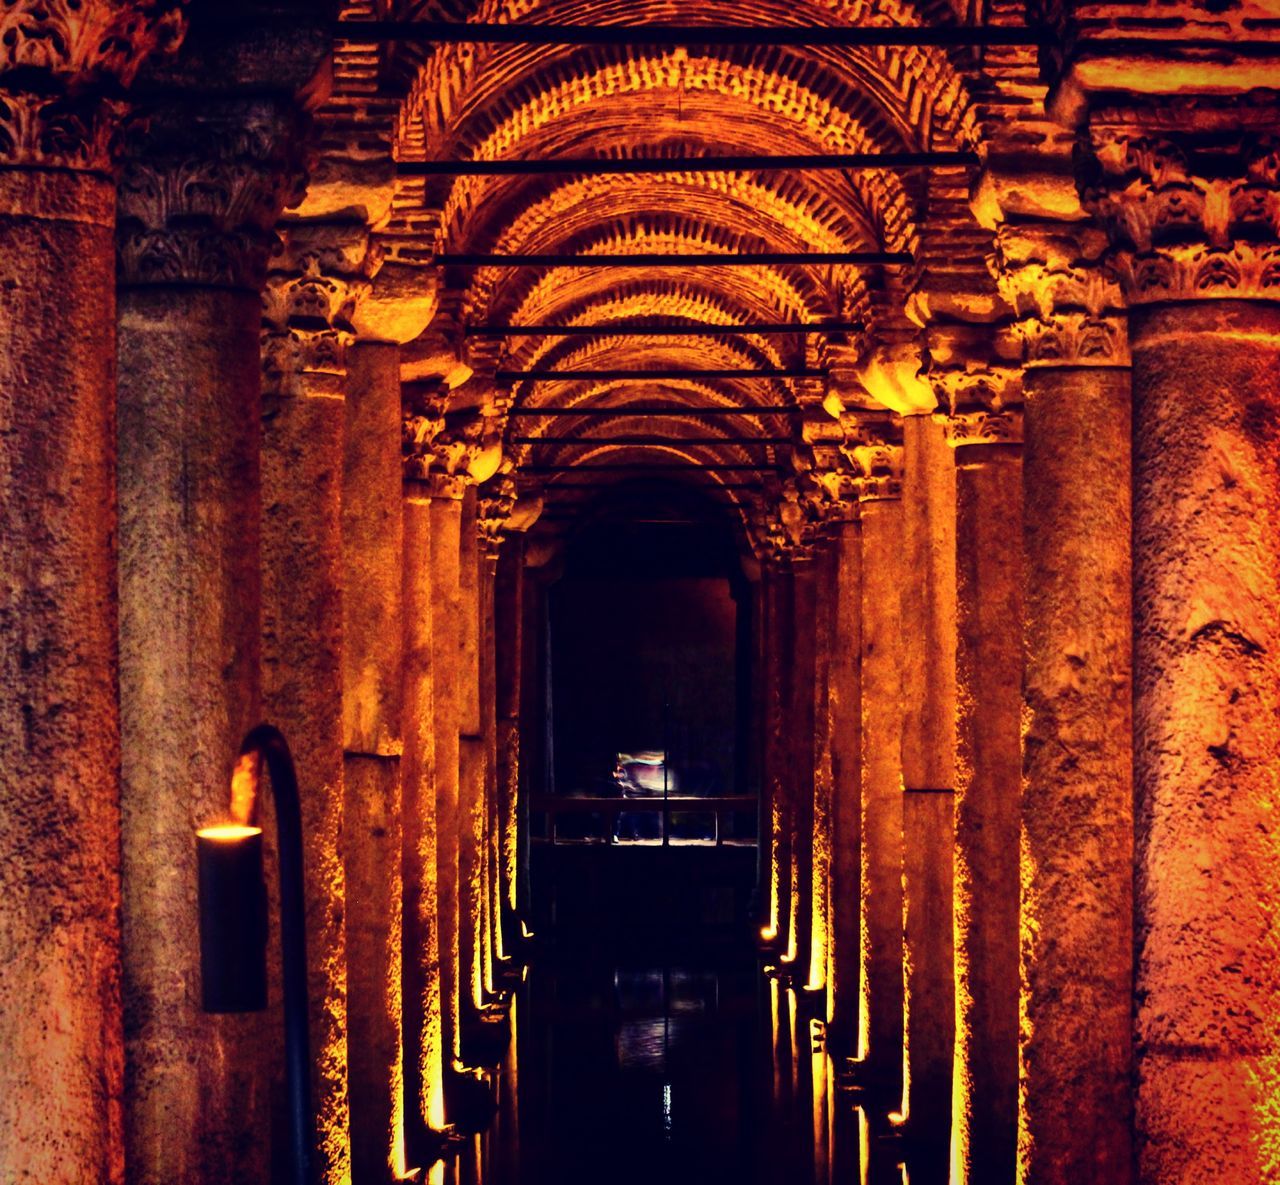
[(873, 448), (63, 67), (1069, 308), (982, 426), (449, 452), (308, 307), (1190, 196), (202, 185), (494, 508), (979, 382)]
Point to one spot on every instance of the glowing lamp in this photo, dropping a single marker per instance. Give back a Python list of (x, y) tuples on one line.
[(233, 921), (233, 918)]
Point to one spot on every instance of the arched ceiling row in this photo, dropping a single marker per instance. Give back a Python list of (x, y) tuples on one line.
[(477, 102)]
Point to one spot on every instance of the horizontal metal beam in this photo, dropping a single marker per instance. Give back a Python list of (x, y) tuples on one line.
[(700, 259), (700, 441), (819, 36), (645, 467), (589, 487), (697, 329), (671, 372), (779, 409), (643, 166)]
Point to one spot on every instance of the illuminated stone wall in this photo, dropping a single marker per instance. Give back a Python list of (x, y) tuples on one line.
[(1008, 509)]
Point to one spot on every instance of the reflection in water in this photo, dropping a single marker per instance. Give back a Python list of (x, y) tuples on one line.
[(698, 1071)]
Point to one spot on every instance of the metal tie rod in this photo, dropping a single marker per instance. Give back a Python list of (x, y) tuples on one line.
[(611, 167), (816, 36), (758, 409), (700, 259), (678, 372), (697, 329), (696, 442), (646, 467)]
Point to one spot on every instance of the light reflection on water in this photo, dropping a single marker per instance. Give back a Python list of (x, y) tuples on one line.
[(672, 1075)]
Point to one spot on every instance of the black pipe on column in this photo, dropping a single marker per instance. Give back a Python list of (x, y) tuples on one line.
[(233, 921)]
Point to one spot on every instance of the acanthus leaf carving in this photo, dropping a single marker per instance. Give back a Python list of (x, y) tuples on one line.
[(1192, 214), (63, 67), (202, 187), (1068, 306)]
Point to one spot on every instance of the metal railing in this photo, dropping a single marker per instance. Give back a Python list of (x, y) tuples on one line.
[(626, 822)]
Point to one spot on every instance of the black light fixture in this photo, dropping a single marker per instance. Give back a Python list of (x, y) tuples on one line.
[(233, 920)]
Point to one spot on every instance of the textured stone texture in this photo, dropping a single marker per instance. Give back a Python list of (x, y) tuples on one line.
[(880, 1043), (988, 785), (509, 643), (1075, 1112), (302, 461), (60, 1018), (928, 768), (845, 685), (1207, 669), (820, 863), (799, 771), (190, 688), (372, 650), (425, 1051), (446, 654)]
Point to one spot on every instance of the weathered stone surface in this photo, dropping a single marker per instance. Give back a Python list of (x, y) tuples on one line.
[(988, 786), (1207, 686), (60, 978), (190, 688)]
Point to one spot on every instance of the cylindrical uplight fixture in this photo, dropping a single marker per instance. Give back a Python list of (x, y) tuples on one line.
[(233, 918)]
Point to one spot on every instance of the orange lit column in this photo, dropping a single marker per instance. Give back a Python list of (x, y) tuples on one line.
[(190, 274), (471, 772), (880, 1019), (305, 334), (61, 1071), (1075, 1106), (825, 563), (426, 1042), (374, 684), (799, 773), (988, 777), (928, 772), (447, 654), (509, 645), (778, 820), (1194, 225), (845, 707)]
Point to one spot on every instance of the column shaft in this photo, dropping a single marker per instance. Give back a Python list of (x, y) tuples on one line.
[(880, 1040), (426, 1052), (1206, 558), (373, 563), (509, 651), (779, 671), (988, 785), (799, 774), (302, 461), (446, 606), (60, 1012), (845, 685), (928, 768), (820, 871), (190, 688)]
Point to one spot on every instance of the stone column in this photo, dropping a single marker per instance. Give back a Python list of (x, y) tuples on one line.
[(1075, 1116), (777, 667), (826, 561), (192, 263), (427, 1045), (1190, 200), (878, 461), (928, 771), (60, 831), (374, 685), (308, 312), (798, 772), (509, 615), (985, 429), (845, 689)]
